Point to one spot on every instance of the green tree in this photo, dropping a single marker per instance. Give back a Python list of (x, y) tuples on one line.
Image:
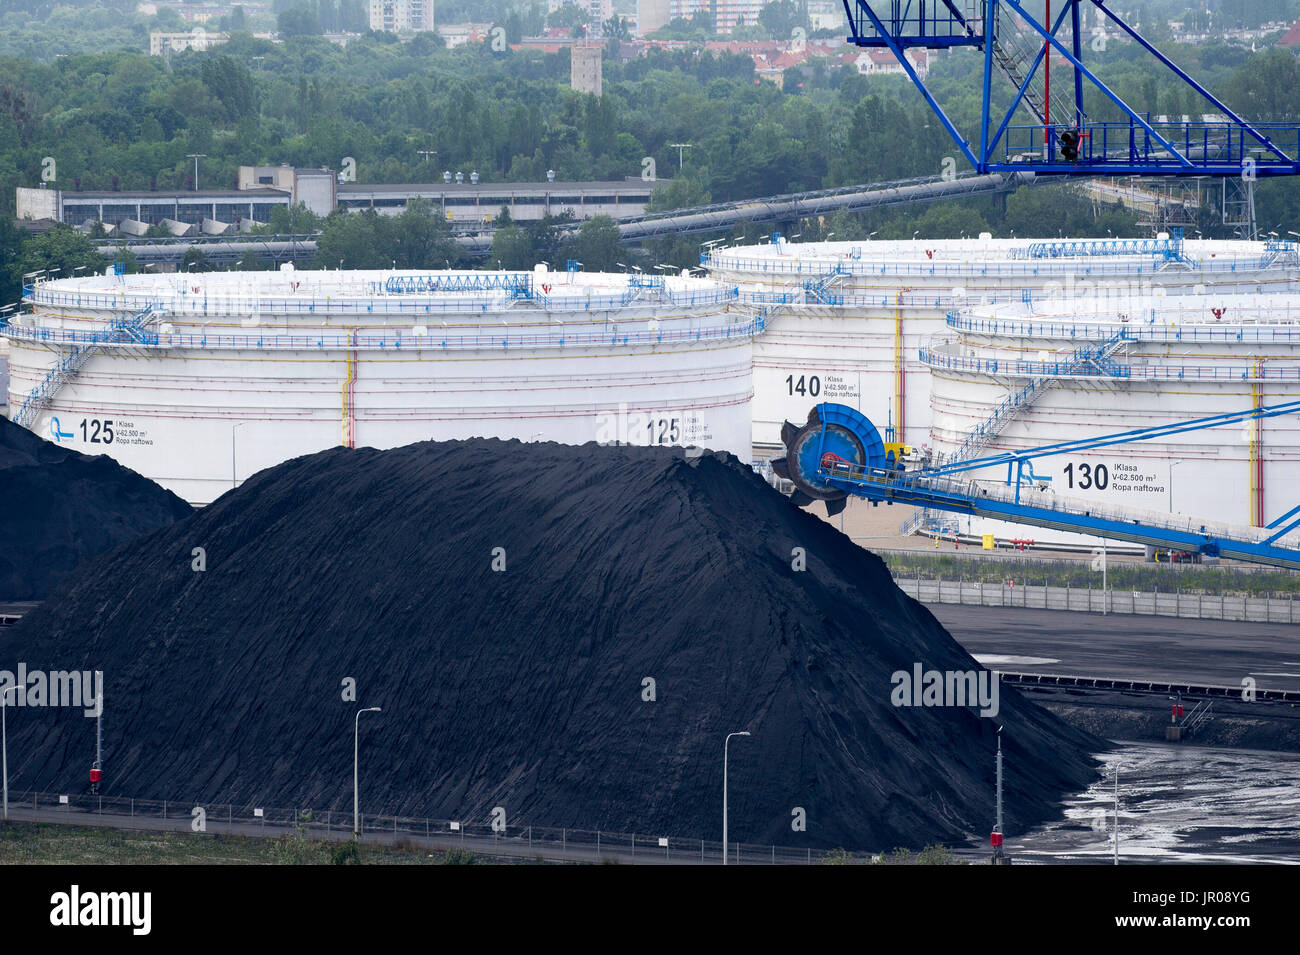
[(195, 260), (616, 29), (62, 252), (293, 220), (12, 240), (597, 245), (298, 21), (680, 192), (353, 239), (512, 249), (567, 16), (1264, 87), (781, 17), (230, 83), (940, 221), (421, 237)]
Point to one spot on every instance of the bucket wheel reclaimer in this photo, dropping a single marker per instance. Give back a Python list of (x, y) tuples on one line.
[(832, 434)]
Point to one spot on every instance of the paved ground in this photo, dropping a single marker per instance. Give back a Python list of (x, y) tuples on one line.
[(1157, 648)]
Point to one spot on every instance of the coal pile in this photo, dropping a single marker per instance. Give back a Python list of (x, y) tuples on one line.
[(506, 604), (59, 508)]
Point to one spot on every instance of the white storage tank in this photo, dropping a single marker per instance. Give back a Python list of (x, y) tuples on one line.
[(197, 381), (1026, 375), (846, 320)]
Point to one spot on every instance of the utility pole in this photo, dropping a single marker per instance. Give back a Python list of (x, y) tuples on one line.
[(679, 147), (428, 154)]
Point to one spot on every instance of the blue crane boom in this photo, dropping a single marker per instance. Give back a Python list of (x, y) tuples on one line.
[(839, 452)]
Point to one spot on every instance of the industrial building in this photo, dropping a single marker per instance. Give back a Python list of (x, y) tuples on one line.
[(198, 381), (466, 202), (474, 203)]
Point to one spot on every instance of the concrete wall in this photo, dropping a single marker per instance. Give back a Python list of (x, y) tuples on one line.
[(317, 190), (37, 203)]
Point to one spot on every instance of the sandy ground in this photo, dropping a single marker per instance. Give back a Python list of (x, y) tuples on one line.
[(876, 528)]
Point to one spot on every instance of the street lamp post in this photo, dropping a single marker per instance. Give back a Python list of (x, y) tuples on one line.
[(4, 745), (196, 157), (725, 743), (356, 737), (1171, 482), (233, 482), (1117, 812)]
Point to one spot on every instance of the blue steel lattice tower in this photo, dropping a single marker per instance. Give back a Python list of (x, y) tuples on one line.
[(1080, 126)]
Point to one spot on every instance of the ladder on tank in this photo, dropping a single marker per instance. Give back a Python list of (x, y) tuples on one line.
[(822, 289), (1095, 357), (132, 329)]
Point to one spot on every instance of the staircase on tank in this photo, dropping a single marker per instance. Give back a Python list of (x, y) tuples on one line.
[(129, 330), (1094, 357), (822, 290)]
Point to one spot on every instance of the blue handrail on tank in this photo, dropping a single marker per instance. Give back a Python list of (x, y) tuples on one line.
[(1169, 249)]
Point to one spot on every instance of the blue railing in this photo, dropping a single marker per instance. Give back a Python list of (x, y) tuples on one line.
[(773, 265), (188, 303), (399, 340), (924, 23), (519, 283), (1262, 371), (1214, 146), (1141, 328), (1169, 250)]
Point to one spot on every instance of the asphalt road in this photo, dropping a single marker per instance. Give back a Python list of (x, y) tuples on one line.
[(1125, 646)]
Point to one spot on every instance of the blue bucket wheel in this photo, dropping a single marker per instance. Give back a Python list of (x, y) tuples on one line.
[(831, 429)]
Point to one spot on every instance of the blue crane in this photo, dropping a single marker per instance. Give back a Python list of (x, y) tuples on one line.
[(1067, 139), (838, 452)]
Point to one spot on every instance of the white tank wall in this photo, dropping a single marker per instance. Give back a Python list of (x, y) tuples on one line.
[(665, 372), (849, 348), (1184, 364)]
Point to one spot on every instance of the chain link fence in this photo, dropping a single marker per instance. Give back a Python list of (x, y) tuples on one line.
[(515, 842)]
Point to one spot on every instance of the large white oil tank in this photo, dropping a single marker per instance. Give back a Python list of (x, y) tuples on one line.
[(1030, 375), (845, 321), (197, 381)]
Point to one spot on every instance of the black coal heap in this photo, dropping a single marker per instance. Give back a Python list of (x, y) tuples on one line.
[(506, 604), (59, 508)]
